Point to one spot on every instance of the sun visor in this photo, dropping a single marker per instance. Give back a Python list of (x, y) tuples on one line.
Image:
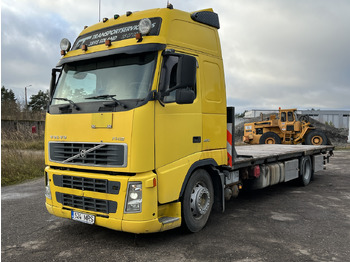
[(134, 49), (206, 17)]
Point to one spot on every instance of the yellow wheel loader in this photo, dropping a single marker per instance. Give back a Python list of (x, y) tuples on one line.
[(288, 128)]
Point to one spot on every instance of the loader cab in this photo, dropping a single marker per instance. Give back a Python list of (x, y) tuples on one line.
[(289, 121)]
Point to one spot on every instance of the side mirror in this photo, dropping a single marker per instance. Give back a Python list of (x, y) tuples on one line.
[(186, 71), (53, 80), (184, 96)]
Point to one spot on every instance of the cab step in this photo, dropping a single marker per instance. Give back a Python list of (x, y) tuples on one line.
[(167, 220)]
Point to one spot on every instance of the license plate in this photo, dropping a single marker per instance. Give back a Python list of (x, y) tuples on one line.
[(84, 218)]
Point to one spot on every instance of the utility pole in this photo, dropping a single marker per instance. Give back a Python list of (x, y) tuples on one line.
[(99, 10), (25, 96)]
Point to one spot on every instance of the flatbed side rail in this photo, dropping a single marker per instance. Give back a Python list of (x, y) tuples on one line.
[(264, 154)]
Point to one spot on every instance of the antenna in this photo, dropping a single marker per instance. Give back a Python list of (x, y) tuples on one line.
[(99, 10), (170, 6)]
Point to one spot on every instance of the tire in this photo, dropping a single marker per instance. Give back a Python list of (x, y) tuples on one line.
[(315, 137), (306, 171), (270, 138), (197, 201)]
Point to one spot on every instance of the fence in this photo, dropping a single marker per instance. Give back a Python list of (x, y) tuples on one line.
[(23, 126)]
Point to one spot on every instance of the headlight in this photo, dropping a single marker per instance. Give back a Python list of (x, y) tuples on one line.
[(133, 201), (47, 186), (145, 26), (65, 44)]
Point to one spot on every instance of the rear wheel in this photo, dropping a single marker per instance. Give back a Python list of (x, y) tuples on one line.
[(315, 137), (198, 200), (306, 172), (270, 138)]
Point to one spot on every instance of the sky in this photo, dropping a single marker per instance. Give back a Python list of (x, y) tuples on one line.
[(276, 53)]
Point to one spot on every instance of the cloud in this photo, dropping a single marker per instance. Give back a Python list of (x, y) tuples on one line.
[(275, 52), (288, 53), (30, 46)]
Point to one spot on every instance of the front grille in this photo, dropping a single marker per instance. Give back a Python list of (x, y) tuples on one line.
[(87, 203), (90, 154), (87, 184)]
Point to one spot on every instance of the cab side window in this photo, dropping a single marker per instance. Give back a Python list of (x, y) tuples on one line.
[(283, 117), (168, 78), (290, 117)]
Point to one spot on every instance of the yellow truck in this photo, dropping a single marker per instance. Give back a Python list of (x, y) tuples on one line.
[(138, 136), (288, 128)]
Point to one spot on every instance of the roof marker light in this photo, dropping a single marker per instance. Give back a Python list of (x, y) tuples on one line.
[(145, 26), (116, 16), (105, 20), (138, 37), (84, 48), (108, 42), (128, 13)]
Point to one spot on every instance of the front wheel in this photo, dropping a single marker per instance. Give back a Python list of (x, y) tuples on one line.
[(315, 137), (270, 138), (197, 201)]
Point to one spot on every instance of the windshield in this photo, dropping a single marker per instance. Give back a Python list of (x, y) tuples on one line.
[(125, 77)]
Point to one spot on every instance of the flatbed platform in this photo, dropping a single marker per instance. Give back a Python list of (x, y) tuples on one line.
[(263, 154)]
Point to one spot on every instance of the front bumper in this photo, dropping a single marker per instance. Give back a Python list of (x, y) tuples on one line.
[(150, 219)]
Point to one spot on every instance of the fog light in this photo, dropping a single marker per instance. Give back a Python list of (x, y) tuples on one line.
[(47, 186), (65, 44), (145, 26), (133, 201)]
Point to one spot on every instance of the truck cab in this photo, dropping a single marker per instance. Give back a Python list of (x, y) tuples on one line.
[(138, 104)]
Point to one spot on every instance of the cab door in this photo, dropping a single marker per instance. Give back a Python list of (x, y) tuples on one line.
[(287, 121), (178, 127), (290, 121), (178, 131)]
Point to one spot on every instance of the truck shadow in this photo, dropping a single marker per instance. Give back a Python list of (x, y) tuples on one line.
[(248, 204)]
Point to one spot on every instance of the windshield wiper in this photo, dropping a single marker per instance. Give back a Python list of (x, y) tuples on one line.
[(116, 102), (70, 101)]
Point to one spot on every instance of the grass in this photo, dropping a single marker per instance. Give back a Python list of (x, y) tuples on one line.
[(22, 158), (18, 166), (23, 145)]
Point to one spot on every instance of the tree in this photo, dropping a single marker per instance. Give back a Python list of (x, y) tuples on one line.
[(39, 101), (7, 95), (241, 115), (9, 105)]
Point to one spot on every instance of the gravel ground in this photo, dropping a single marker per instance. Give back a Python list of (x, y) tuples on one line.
[(279, 223)]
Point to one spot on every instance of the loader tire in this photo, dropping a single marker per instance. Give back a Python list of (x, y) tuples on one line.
[(270, 138), (316, 138)]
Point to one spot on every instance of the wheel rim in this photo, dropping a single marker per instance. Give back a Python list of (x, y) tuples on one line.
[(270, 140), (200, 201), (317, 140)]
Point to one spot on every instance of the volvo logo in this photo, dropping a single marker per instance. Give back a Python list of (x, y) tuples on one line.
[(82, 153)]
